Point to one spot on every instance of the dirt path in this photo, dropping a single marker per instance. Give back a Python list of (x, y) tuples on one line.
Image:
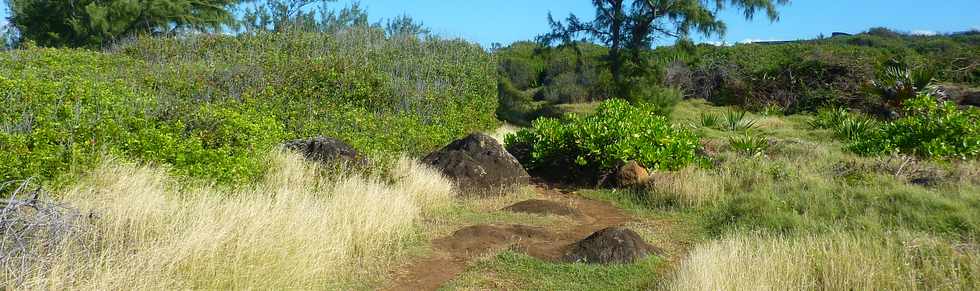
[(453, 253)]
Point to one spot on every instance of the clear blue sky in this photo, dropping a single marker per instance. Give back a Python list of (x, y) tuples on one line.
[(506, 21)]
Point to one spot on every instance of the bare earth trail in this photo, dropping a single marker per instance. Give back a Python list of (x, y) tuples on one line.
[(453, 253)]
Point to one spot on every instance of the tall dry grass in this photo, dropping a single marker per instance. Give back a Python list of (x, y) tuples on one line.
[(837, 261), (298, 229), (688, 187)]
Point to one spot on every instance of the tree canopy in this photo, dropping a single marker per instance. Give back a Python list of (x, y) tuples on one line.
[(634, 25), (404, 25), (93, 23), (315, 15)]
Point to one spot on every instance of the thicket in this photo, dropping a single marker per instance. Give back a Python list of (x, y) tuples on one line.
[(808, 75), (565, 74), (794, 77), (585, 147), (927, 128), (91, 23), (211, 106), (535, 78)]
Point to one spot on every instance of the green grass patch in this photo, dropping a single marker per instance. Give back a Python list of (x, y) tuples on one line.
[(510, 270)]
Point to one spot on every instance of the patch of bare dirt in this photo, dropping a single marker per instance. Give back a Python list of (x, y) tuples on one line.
[(453, 253), (543, 207)]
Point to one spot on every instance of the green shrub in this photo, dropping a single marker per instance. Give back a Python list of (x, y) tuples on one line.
[(565, 88), (812, 74), (709, 120), (927, 128), (616, 133), (661, 99), (520, 72), (213, 106), (899, 82), (563, 74), (751, 145), (735, 120), (829, 118)]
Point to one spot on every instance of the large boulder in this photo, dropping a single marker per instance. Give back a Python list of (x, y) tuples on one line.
[(327, 150), (608, 246), (479, 165)]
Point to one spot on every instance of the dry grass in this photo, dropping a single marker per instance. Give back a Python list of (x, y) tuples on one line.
[(501, 132), (689, 187), (829, 262), (299, 229)]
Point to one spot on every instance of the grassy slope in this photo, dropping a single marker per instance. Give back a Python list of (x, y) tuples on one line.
[(300, 228), (816, 216), (212, 106)]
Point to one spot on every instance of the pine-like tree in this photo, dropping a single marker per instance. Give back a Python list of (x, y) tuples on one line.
[(629, 26), (95, 23), (405, 25)]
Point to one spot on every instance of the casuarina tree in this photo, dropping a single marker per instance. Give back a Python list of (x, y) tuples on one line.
[(628, 27), (94, 23)]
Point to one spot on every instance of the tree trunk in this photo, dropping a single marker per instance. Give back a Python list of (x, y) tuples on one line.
[(615, 48)]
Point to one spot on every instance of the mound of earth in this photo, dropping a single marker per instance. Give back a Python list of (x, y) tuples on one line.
[(482, 238), (479, 165), (326, 150), (608, 246), (544, 207)]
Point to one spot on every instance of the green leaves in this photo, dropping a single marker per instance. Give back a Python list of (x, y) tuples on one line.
[(93, 23), (616, 133), (212, 107), (928, 128), (735, 120), (750, 145)]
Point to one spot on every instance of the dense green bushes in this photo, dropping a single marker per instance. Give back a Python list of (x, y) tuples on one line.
[(793, 76), (808, 75), (563, 74), (534, 78), (212, 106), (928, 128), (797, 77), (616, 133)]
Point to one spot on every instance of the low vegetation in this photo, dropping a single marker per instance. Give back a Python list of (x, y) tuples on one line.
[(802, 76), (838, 261), (211, 106), (300, 228), (616, 133), (801, 203), (927, 128), (149, 150)]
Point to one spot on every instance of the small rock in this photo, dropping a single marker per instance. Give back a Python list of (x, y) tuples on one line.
[(632, 174), (479, 165), (326, 150), (608, 246)]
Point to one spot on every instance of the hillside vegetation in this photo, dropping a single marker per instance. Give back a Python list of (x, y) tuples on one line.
[(781, 205), (791, 76), (152, 155), (212, 106)]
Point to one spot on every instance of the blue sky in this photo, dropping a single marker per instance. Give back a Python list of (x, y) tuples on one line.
[(506, 21)]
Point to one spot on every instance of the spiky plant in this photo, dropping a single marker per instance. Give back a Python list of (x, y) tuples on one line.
[(899, 82), (735, 120)]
